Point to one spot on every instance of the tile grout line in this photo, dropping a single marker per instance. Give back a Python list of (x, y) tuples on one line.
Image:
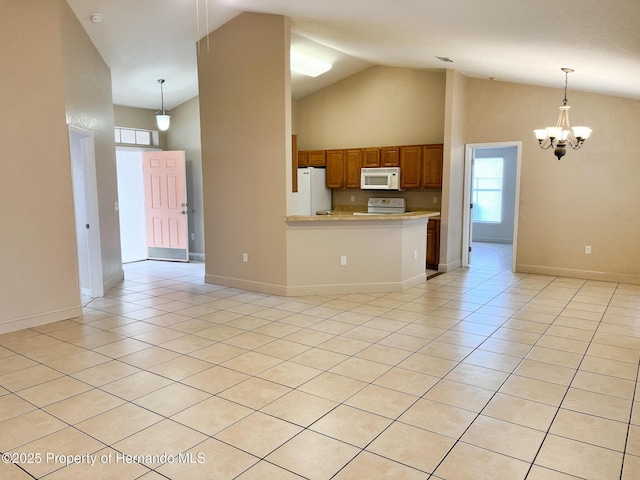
[(354, 355), (568, 386), (626, 440)]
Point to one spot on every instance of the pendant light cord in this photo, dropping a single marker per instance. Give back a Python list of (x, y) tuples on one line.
[(206, 12), (161, 81)]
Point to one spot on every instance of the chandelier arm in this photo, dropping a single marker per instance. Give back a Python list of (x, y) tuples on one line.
[(545, 145)]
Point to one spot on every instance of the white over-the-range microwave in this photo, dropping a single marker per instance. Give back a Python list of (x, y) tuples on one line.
[(380, 178)]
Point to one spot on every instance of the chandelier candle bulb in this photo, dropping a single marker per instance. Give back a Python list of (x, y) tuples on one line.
[(581, 132)]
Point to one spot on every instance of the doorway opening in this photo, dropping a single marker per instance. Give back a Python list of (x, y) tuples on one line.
[(153, 204), (491, 197), (85, 204)]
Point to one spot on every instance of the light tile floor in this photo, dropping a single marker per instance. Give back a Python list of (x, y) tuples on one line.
[(477, 374)]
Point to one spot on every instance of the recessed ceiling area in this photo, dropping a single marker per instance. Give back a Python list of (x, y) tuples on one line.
[(521, 42)]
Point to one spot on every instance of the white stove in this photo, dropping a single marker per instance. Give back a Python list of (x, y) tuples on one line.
[(384, 206)]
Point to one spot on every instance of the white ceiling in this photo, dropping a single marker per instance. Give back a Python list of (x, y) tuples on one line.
[(522, 41)]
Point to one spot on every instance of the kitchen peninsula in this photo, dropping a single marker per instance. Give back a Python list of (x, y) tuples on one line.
[(345, 253)]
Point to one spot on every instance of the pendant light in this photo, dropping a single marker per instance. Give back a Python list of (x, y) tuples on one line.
[(162, 116), (562, 134)]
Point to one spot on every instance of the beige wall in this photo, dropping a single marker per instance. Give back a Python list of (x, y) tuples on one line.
[(378, 106), (245, 121), (587, 198), (40, 47), (89, 105), (184, 134), (453, 173), (37, 252)]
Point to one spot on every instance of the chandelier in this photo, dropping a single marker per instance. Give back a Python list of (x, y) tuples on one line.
[(162, 116), (563, 134)]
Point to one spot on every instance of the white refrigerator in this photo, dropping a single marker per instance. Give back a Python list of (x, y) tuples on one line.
[(312, 194)]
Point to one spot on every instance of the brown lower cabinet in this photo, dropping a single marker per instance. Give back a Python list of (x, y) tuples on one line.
[(433, 243)]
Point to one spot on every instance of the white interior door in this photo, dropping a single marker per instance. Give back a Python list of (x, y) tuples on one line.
[(133, 233), (85, 202), (469, 207), (467, 216)]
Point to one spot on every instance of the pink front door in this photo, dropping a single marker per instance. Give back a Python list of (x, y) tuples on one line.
[(166, 206)]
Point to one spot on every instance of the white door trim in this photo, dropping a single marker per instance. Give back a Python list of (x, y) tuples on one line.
[(466, 215), (85, 165)]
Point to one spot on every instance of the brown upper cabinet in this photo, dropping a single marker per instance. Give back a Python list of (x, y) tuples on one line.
[(353, 164), (390, 156), (303, 159), (316, 158), (411, 166), (343, 168), (370, 157), (420, 165), (311, 158), (432, 166), (335, 168)]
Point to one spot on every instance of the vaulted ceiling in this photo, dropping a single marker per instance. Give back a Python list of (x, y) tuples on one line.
[(519, 41)]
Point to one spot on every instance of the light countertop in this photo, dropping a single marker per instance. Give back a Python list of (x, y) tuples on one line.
[(344, 215)]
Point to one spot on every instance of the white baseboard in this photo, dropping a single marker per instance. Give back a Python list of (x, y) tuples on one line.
[(504, 241), (447, 267), (302, 290), (196, 257), (40, 319), (113, 281), (579, 274), (250, 285)]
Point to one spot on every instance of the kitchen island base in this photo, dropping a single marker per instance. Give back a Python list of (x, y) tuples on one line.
[(355, 254)]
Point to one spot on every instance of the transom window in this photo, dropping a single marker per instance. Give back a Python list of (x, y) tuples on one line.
[(131, 136)]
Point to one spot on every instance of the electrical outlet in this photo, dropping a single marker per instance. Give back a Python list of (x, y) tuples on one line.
[(343, 260), (587, 249), (435, 199), (353, 198), (415, 254), (245, 257), (193, 236)]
